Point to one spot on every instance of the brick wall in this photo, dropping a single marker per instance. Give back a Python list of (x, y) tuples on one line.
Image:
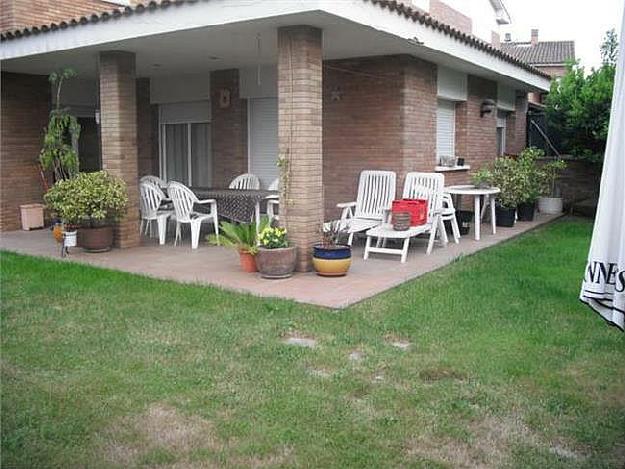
[(554, 71), (118, 111), (300, 135), (443, 12), (24, 114), (17, 14), (516, 127), (418, 117), (361, 123), (476, 137), (228, 128), (147, 130)]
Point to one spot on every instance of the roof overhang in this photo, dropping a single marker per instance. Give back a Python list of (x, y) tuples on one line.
[(186, 35)]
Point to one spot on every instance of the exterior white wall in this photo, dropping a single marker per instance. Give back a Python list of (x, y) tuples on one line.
[(179, 88), (452, 85), (255, 83), (481, 13)]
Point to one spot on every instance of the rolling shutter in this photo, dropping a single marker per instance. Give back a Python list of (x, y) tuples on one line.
[(263, 139), (445, 129)]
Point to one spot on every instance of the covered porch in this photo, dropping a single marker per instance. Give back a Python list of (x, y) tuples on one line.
[(213, 265), (201, 93)]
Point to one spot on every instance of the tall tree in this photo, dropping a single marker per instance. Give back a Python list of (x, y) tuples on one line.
[(578, 105)]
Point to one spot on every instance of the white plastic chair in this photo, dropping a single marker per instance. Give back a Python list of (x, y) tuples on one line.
[(184, 200), (376, 191), (247, 181), (150, 205), (154, 180), (448, 213), (273, 201), (428, 186)]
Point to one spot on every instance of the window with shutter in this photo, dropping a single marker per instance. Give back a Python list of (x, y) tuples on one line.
[(263, 139), (445, 129)]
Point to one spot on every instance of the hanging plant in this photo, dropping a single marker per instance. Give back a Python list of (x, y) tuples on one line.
[(58, 154)]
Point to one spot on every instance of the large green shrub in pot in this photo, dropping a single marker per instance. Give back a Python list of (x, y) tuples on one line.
[(530, 175), (507, 176), (89, 199)]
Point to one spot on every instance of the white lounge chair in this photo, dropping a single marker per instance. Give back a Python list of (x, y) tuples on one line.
[(427, 186), (376, 191), (273, 201), (184, 200), (245, 181), (151, 210)]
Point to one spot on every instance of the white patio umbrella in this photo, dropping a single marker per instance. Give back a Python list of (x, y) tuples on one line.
[(603, 288)]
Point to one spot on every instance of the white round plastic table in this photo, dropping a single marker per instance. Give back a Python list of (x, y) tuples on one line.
[(477, 194)]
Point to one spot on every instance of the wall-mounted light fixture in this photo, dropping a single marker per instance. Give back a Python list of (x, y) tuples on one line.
[(488, 106)]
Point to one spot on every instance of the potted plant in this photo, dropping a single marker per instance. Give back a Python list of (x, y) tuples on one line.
[(243, 238), (275, 258), (482, 178), (331, 259), (507, 177), (93, 202), (551, 201), (530, 182)]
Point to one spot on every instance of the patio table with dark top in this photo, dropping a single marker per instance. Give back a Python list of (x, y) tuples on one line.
[(238, 205)]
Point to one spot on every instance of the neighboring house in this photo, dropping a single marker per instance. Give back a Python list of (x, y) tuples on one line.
[(550, 57), (200, 91)]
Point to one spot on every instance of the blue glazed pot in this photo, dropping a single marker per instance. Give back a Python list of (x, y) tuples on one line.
[(332, 262)]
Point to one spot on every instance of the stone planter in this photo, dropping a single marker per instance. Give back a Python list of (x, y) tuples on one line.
[(332, 262), (550, 205), (276, 263), (96, 239)]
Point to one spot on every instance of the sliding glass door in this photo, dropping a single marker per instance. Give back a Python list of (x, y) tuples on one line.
[(186, 153)]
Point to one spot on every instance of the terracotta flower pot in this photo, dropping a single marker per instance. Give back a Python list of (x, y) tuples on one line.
[(248, 262), (276, 263), (96, 239)]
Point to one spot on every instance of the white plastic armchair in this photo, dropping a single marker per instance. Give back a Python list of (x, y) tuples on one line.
[(245, 181), (428, 186), (184, 200), (151, 198), (154, 180), (376, 191), (273, 201)]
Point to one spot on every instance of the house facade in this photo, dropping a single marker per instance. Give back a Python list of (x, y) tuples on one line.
[(551, 57), (201, 91)]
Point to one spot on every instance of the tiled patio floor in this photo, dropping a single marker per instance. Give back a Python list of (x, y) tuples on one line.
[(219, 266)]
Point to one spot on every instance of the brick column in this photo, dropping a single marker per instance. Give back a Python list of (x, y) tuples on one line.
[(118, 124), (300, 136)]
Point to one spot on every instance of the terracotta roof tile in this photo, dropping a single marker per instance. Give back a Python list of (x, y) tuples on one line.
[(543, 53)]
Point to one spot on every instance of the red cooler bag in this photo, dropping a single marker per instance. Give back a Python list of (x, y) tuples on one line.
[(418, 209)]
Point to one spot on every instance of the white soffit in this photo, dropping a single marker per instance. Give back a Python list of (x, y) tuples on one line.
[(402, 35)]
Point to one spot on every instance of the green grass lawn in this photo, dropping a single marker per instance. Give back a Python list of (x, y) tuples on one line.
[(505, 368)]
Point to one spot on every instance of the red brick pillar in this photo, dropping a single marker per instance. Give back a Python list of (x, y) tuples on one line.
[(118, 125), (300, 136)]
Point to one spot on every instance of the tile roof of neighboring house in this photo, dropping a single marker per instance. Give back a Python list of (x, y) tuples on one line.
[(395, 6), (543, 53)]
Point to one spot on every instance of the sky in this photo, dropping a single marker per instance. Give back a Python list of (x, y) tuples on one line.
[(582, 21)]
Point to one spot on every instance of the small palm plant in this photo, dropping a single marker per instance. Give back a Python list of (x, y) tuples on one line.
[(243, 238)]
